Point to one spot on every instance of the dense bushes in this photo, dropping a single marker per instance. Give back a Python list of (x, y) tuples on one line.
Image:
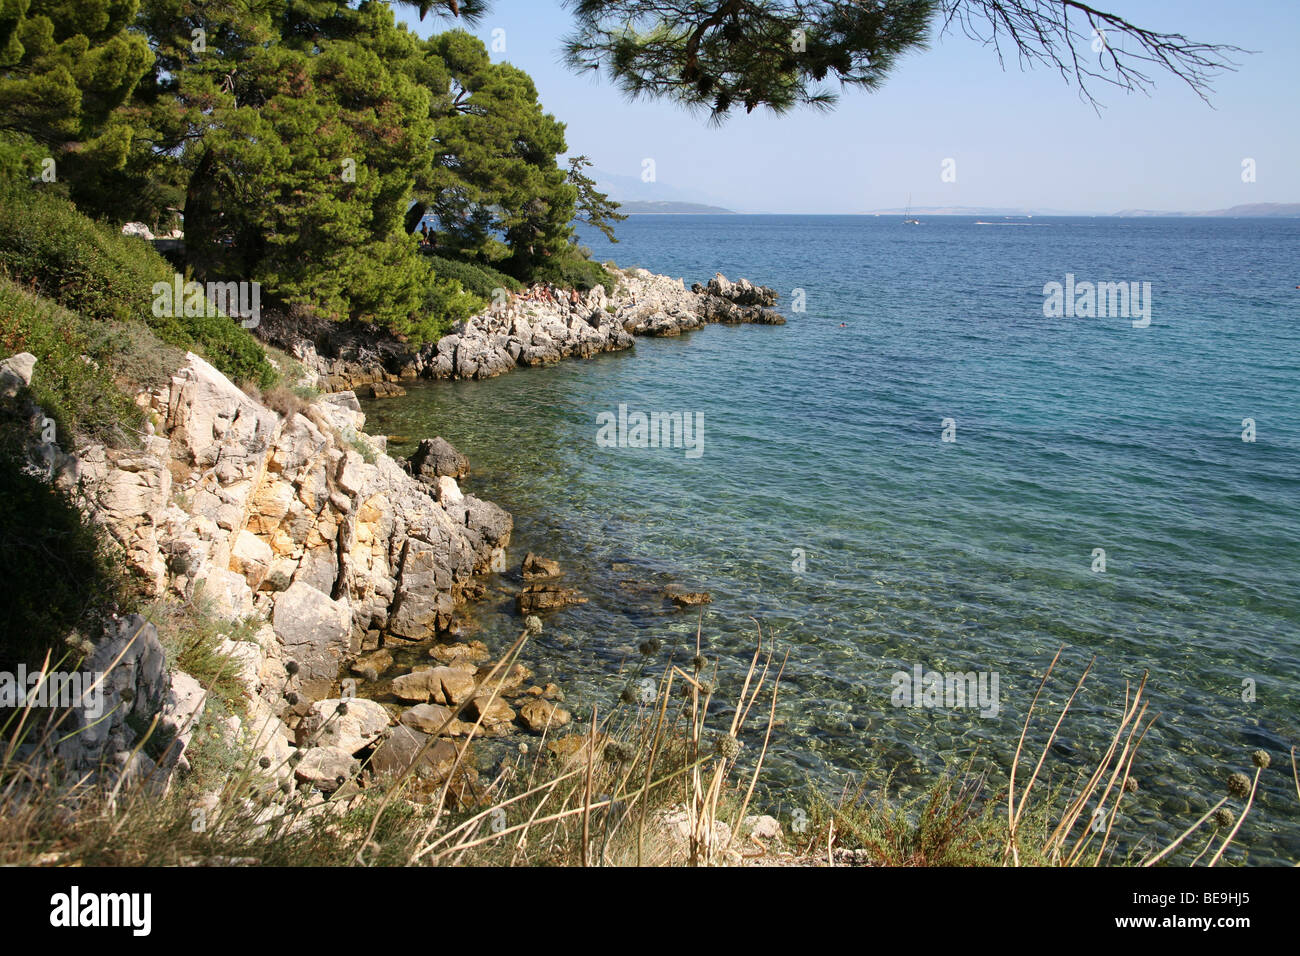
[(92, 270), (72, 381), (572, 270), (474, 277), (445, 304)]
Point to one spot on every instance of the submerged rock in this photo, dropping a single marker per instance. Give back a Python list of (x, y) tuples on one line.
[(371, 666), (544, 597), (537, 568), (385, 390), (688, 598), (470, 652)]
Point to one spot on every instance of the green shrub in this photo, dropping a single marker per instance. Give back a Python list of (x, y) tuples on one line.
[(73, 381), (482, 280), (95, 271), (572, 270), (191, 633), (445, 304)]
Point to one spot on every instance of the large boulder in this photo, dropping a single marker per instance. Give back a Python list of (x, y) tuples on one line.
[(435, 458), (316, 633), (441, 685), (125, 678), (326, 768), (361, 723), (16, 373), (214, 425), (434, 719), (433, 764)]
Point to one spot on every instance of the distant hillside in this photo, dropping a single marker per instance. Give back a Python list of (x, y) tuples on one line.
[(1254, 210), (642, 207)]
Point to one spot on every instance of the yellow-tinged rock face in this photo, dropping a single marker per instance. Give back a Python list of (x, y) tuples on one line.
[(282, 543), (373, 509)]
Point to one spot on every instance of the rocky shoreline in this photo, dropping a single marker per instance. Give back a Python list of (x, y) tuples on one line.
[(540, 326), (291, 524), (296, 524)]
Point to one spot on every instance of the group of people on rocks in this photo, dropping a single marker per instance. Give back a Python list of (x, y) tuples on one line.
[(549, 295)]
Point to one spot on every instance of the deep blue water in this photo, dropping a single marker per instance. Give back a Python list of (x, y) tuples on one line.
[(825, 435)]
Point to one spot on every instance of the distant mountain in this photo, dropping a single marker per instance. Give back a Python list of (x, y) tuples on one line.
[(640, 207), (1253, 210), (633, 189)]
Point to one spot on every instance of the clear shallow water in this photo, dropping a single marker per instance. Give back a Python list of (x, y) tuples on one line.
[(1072, 434)]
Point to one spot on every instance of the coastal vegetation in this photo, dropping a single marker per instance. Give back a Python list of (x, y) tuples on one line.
[(304, 142), (301, 144)]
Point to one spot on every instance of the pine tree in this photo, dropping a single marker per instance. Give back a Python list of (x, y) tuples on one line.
[(67, 73)]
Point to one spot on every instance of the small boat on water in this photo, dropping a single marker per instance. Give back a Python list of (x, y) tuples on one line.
[(907, 214)]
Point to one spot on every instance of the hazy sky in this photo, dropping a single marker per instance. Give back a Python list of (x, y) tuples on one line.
[(1018, 138)]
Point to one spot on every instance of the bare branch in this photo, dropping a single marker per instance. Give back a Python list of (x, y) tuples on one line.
[(1051, 32)]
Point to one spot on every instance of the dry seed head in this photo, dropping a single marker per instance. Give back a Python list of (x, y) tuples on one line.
[(618, 751), (1239, 785)]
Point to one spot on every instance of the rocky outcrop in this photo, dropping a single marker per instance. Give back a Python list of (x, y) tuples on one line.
[(300, 525), (300, 519), (540, 326), (735, 302)]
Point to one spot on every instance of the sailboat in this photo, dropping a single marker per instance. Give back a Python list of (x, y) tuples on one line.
[(907, 214)]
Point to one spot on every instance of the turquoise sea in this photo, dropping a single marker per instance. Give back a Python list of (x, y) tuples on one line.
[(827, 507)]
